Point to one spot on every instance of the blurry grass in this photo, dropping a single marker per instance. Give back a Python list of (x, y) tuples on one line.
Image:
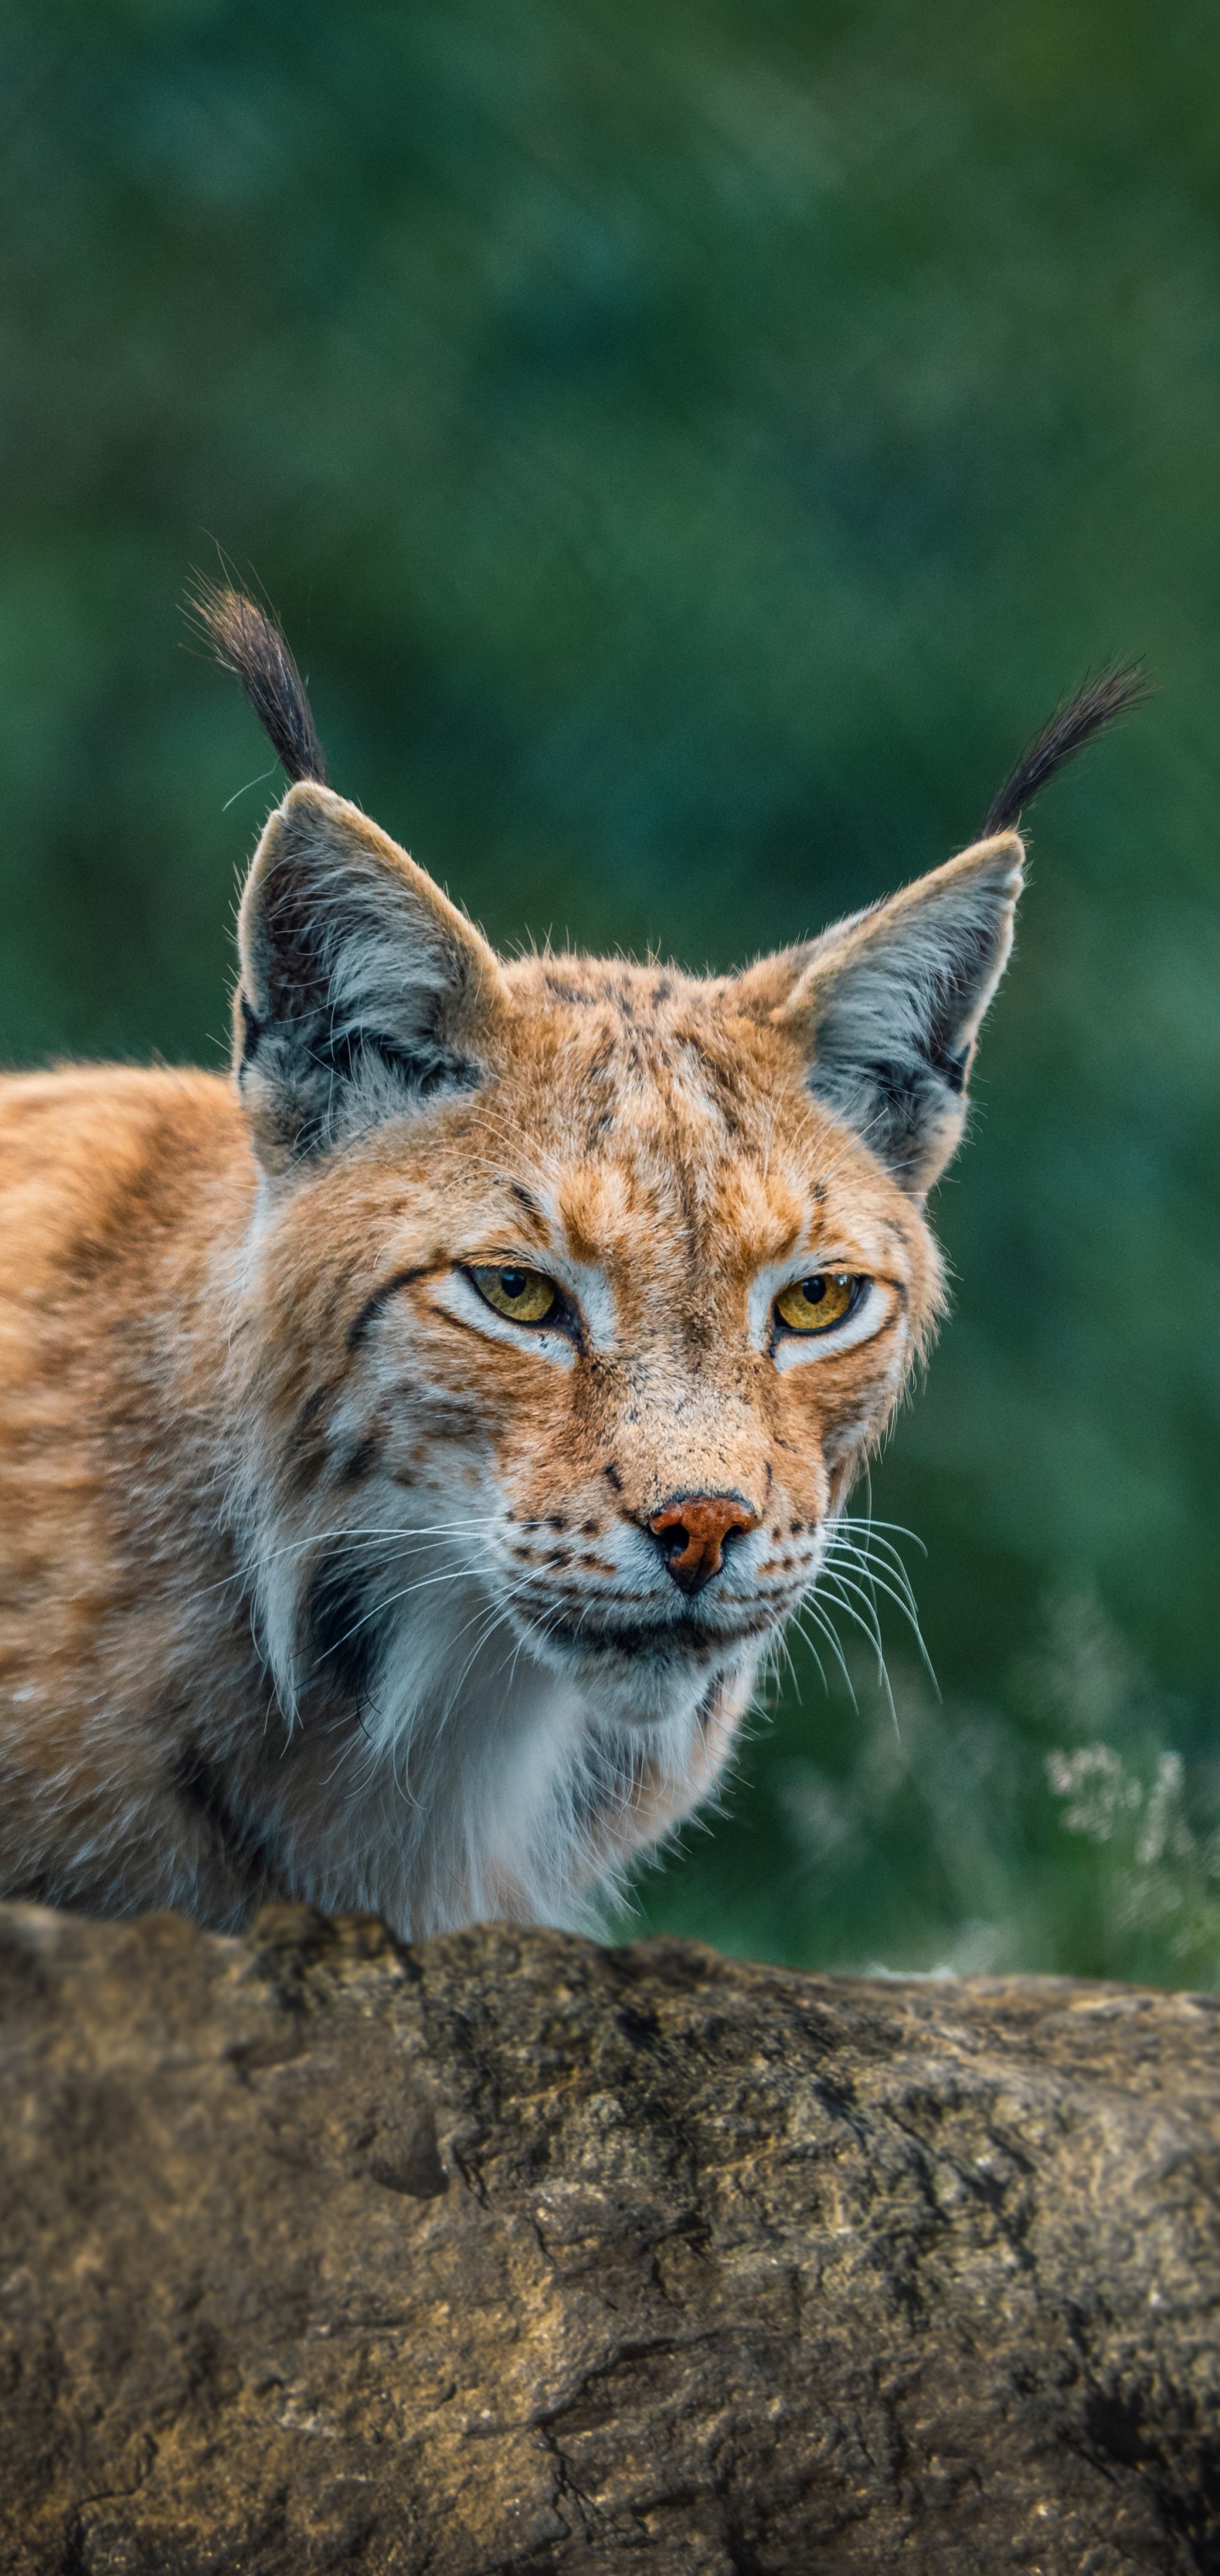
[(1062, 1829)]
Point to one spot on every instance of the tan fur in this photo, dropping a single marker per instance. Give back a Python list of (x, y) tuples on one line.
[(318, 1579)]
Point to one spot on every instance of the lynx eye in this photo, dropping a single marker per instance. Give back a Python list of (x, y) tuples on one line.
[(525, 1296), (816, 1305)]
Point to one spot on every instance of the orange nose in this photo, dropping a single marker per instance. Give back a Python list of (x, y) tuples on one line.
[(691, 1534)]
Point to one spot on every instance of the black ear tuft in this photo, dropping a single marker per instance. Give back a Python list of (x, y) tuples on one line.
[(246, 641), (1113, 693)]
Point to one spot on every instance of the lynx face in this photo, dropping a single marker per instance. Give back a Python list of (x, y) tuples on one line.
[(637, 1308), (577, 1296)]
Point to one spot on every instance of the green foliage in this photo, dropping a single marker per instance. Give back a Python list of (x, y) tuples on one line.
[(690, 449), (1054, 1827)]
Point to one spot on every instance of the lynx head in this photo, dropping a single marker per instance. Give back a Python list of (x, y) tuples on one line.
[(584, 1291)]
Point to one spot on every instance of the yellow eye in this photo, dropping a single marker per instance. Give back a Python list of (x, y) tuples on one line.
[(816, 1305), (526, 1296)]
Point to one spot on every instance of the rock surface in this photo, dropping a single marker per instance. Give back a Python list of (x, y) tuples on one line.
[(507, 2252)]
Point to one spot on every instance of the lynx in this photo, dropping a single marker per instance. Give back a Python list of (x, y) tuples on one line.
[(410, 1448)]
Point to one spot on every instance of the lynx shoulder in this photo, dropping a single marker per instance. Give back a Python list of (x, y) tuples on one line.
[(410, 1448)]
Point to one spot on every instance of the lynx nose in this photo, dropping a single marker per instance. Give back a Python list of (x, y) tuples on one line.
[(692, 1531)]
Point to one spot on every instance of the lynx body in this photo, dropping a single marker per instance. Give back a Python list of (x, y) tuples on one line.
[(408, 1449)]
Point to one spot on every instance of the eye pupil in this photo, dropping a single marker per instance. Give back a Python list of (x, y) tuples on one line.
[(813, 1291), (514, 1283)]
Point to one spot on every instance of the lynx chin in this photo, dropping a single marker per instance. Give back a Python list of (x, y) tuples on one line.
[(409, 1447)]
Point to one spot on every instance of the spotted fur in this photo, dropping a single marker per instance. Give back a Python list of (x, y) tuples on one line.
[(320, 1576)]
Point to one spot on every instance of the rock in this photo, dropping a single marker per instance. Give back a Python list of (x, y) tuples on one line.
[(508, 2252)]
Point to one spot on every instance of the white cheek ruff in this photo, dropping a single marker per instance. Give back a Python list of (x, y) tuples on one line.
[(458, 1298), (796, 1350)]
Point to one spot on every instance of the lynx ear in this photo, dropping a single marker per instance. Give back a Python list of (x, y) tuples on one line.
[(363, 989), (888, 1006)]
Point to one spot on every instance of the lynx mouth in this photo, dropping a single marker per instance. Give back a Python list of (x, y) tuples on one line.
[(653, 1640)]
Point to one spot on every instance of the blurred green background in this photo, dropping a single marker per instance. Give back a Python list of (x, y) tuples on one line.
[(691, 447)]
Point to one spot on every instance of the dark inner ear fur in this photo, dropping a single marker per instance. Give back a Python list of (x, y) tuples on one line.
[(888, 1007), (363, 990)]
